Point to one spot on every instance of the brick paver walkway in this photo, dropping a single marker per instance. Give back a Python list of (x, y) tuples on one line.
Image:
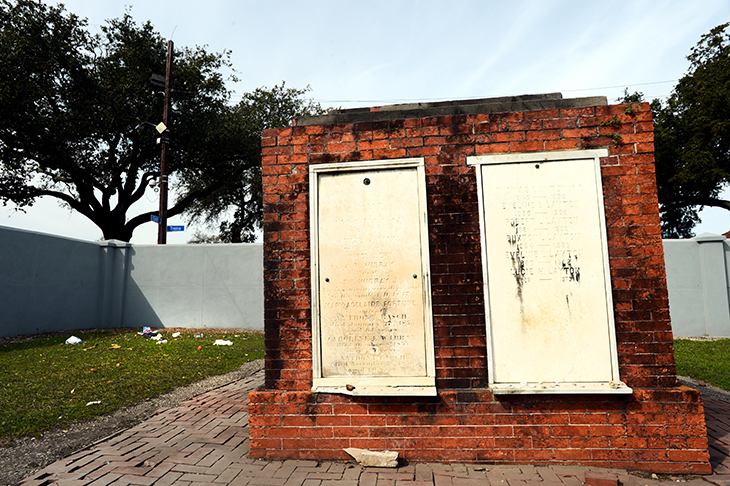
[(205, 441), (717, 418)]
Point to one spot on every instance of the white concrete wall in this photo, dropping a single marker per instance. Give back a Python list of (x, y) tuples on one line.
[(50, 283), (214, 286), (698, 280)]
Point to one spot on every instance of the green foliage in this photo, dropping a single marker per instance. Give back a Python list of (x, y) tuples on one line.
[(704, 360), (235, 210), (692, 136), (628, 98), (115, 366), (611, 122), (76, 118), (69, 105)]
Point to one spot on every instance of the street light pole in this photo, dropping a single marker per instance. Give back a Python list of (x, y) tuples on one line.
[(165, 156)]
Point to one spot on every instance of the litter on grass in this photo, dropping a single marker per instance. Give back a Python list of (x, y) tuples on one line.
[(198, 335), (147, 332), (222, 342), (73, 340), (95, 402), (162, 341), (175, 334)]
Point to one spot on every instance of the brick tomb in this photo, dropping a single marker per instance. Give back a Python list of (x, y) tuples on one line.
[(471, 281)]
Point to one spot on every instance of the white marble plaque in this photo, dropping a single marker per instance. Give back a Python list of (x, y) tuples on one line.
[(372, 316), (550, 322)]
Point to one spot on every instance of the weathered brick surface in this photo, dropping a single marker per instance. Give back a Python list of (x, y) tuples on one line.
[(660, 428)]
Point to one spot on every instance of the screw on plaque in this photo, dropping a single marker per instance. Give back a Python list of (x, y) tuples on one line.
[(366, 181), (415, 276), (326, 279), (537, 166)]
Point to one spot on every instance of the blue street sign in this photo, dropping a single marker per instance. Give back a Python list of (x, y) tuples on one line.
[(176, 228), (154, 218)]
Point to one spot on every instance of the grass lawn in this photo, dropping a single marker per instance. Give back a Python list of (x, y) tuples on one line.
[(704, 360), (46, 383)]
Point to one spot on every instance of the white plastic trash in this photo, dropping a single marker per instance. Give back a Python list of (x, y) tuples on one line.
[(162, 342), (73, 340), (157, 337), (221, 342), (175, 334)]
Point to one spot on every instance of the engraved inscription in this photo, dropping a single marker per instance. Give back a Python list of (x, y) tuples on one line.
[(541, 231), (547, 293), (371, 307)]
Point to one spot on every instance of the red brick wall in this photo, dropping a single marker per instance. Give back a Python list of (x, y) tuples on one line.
[(659, 428), (660, 431)]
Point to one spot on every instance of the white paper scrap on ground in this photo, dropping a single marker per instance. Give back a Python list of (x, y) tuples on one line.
[(221, 342), (73, 340), (95, 402), (374, 458)]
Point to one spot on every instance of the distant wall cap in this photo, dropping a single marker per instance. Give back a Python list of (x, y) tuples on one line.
[(709, 237), (115, 243)]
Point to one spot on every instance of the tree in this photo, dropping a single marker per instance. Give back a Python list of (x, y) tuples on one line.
[(235, 210), (77, 111), (692, 137)]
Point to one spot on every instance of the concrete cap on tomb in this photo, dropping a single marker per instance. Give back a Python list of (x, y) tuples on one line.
[(505, 104)]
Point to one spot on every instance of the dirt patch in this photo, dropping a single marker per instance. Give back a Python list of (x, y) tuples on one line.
[(31, 454), (706, 389)]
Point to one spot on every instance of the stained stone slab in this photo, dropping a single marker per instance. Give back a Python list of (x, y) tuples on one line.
[(372, 325), (550, 326), (374, 458)]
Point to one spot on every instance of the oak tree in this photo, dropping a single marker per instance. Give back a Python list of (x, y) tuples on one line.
[(692, 137), (77, 117), (235, 211)]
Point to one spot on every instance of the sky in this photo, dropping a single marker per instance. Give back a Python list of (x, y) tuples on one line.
[(356, 54)]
